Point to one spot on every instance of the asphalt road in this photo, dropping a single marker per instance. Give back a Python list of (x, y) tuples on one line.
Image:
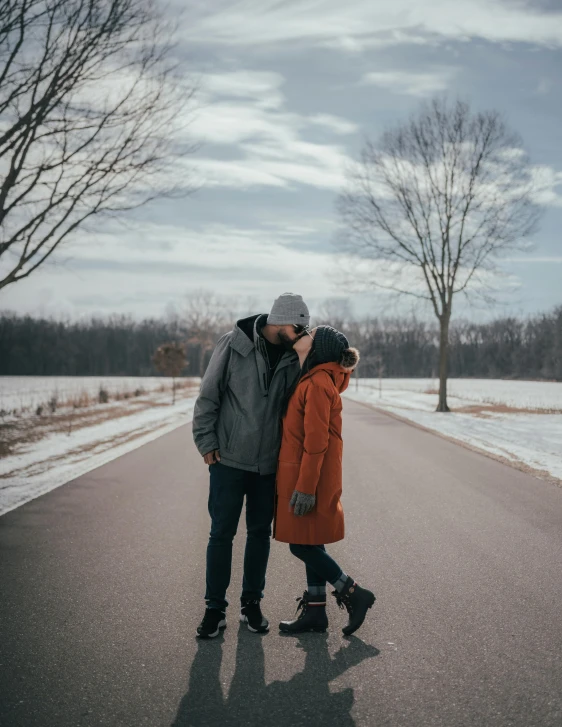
[(102, 583)]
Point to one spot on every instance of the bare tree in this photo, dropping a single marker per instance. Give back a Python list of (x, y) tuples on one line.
[(92, 114), (439, 198), (206, 316), (336, 312), (169, 359)]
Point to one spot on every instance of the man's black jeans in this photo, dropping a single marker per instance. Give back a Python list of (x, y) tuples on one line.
[(226, 497)]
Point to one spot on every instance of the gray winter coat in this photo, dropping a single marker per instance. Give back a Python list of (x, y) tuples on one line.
[(236, 411)]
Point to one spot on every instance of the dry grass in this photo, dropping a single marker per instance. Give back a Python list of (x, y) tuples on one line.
[(483, 409), (86, 399), (489, 406)]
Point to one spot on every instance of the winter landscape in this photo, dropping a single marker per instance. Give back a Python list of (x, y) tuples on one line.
[(280, 363), (517, 421)]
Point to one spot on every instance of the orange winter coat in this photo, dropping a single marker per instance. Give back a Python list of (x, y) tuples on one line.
[(310, 459)]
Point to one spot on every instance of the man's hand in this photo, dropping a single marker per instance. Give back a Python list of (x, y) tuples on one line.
[(302, 502), (212, 457)]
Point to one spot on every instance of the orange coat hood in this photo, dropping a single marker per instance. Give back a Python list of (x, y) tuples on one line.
[(338, 374)]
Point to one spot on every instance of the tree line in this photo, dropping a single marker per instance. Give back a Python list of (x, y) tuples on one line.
[(507, 347), (399, 347)]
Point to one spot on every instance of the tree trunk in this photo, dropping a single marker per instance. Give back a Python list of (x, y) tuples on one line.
[(443, 363), (202, 361), (173, 389)]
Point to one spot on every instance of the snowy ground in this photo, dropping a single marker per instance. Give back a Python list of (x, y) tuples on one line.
[(46, 451), (520, 421), (542, 395)]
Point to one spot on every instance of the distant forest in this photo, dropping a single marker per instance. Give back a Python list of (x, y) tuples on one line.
[(529, 348)]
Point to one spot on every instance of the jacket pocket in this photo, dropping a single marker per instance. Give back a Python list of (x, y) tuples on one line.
[(233, 436)]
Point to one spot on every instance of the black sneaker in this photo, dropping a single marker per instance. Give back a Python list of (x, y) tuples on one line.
[(214, 621), (251, 614)]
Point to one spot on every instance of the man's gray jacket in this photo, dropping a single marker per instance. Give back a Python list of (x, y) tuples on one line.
[(237, 411)]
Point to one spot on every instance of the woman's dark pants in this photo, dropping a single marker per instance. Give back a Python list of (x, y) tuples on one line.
[(320, 567)]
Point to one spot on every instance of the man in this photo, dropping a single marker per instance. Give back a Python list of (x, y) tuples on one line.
[(237, 430)]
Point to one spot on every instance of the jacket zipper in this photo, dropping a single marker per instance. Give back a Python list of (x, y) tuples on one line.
[(267, 395), (264, 379)]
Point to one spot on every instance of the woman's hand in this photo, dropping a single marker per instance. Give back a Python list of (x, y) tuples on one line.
[(302, 503)]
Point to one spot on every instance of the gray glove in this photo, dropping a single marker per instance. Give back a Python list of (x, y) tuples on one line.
[(302, 502)]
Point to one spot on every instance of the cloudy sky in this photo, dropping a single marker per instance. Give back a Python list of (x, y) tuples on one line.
[(288, 91)]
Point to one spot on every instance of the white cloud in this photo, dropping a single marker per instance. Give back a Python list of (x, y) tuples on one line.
[(145, 269), (380, 40), (547, 184), (364, 22), (412, 83), (277, 164), (268, 139), (240, 174), (544, 86), (225, 122), (263, 87), (333, 123)]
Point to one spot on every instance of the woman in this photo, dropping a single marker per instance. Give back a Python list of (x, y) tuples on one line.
[(309, 479)]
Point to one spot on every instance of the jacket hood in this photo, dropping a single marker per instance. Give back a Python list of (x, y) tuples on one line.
[(247, 325), (338, 374)]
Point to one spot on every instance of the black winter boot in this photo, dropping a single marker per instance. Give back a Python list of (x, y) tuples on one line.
[(312, 616), (357, 601)]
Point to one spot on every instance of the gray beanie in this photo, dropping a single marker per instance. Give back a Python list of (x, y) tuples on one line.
[(329, 345), (289, 309)]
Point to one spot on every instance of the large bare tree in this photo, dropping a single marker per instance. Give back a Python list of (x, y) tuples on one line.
[(439, 199), (92, 113)]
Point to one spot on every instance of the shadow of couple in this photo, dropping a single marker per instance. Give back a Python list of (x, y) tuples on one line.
[(305, 699)]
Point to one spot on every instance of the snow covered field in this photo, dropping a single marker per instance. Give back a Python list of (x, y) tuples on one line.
[(44, 452), (543, 395), (520, 421), (25, 393)]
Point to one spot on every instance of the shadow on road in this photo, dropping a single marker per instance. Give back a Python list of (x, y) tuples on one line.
[(303, 700)]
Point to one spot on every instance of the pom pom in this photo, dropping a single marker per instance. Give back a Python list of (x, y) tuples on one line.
[(349, 359)]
